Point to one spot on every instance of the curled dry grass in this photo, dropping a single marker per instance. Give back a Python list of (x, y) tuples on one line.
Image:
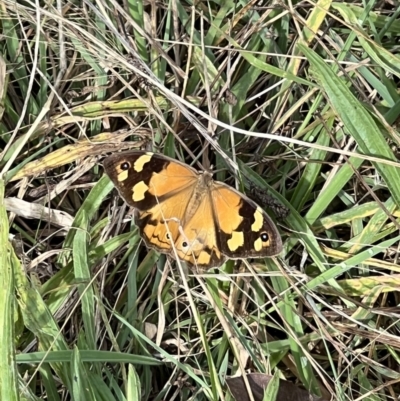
[(301, 99)]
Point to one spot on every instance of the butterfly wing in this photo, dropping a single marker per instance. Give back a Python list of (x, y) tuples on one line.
[(246, 233), (159, 188), (198, 243)]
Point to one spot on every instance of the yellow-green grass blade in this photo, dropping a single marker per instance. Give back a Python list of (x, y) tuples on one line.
[(81, 388), (89, 356), (133, 391), (271, 391), (83, 275), (346, 216), (8, 376)]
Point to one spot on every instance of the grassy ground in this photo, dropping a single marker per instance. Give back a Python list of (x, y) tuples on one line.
[(300, 98)]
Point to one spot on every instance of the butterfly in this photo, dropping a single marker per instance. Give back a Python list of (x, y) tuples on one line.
[(185, 213)]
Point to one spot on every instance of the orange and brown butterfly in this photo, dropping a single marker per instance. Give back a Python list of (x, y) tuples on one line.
[(178, 207)]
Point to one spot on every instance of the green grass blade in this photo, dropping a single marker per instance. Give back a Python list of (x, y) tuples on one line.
[(8, 376), (81, 389), (133, 393), (82, 274)]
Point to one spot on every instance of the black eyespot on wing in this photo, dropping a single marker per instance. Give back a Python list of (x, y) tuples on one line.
[(125, 166), (264, 237)]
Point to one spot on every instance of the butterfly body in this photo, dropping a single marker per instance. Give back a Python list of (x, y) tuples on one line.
[(178, 209)]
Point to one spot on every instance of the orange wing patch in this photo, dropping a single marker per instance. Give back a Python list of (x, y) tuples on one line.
[(226, 204), (172, 179)]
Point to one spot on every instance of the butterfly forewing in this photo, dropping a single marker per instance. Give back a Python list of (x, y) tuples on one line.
[(145, 179)]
